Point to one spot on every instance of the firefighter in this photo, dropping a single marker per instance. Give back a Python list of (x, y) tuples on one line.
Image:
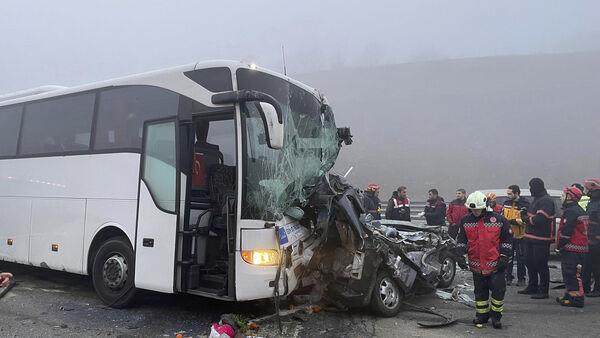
[(371, 201), (491, 202), (539, 233), (572, 243), (591, 268), (512, 209), (486, 238)]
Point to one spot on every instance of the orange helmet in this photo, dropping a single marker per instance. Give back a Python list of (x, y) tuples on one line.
[(491, 196), (373, 187)]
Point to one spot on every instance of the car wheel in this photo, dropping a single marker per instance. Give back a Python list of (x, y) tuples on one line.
[(113, 272), (447, 273), (387, 296)]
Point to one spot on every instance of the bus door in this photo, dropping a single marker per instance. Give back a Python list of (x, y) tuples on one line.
[(158, 207)]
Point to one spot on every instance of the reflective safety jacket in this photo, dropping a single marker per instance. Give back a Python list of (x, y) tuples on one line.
[(484, 239), (540, 220), (398, 209), (572, 231), (512, 211), (583, 202)]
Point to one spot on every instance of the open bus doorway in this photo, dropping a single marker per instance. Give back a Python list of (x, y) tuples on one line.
[(211, 207)]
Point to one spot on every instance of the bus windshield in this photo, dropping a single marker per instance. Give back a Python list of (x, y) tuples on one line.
[(275, 180)]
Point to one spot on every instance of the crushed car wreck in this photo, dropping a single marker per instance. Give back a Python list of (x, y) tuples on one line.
[(326, 240), (366, 262)]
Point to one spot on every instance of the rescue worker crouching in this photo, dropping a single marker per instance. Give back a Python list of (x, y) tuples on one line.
[(572, 242), (486, 238)]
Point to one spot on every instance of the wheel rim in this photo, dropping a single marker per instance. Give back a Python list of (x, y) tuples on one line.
[(447, 270), (389, 293), (114, 272)]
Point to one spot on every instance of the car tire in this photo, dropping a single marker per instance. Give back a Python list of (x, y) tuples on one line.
[(113, 272), (448, 272), (387, 296)]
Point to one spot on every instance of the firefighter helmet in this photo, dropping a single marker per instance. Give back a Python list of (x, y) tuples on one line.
[(592, 184), (476, 200), (573, 192)]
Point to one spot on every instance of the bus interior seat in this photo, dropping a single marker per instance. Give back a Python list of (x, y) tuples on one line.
[(222, 187)]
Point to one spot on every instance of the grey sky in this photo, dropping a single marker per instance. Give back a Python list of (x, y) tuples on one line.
[(71, 42)]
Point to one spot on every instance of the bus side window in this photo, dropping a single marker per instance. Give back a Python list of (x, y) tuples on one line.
[(123, 110), (10, 121), (51, 126)]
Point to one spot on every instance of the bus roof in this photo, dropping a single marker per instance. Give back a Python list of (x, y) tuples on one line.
[(158, 78)]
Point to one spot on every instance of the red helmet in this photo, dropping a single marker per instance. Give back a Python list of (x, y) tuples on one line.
[(592, 184), (574, 192), (373, 187)]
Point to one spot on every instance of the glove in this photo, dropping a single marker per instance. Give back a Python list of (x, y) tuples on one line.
[(421, 214), (502, 262), (561, 243), (462, 262)]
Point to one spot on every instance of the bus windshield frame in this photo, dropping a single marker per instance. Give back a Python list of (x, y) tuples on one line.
[(276, 180)]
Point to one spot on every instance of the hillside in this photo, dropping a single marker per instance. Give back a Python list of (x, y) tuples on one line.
[(472, 123)]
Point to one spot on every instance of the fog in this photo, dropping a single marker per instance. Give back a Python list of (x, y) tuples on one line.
[(440, 94), (469, 123)]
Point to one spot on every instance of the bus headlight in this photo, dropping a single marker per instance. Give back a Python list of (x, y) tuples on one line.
[(261, 257)]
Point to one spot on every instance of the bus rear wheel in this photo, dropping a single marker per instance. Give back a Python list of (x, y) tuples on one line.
[(113, 272)]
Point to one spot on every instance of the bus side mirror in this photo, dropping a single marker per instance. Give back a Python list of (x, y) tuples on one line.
[(272, 126), (268, 107)]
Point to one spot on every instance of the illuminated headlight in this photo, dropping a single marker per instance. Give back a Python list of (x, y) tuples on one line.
[(253, 66), (261, 257)]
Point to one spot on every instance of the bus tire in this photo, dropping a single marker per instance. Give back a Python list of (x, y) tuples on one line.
[(387, 297), (113, 272)]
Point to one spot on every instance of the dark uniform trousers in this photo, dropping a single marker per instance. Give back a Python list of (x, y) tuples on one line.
[(536, 255), (591, 269), (495, 284), (569, 262)]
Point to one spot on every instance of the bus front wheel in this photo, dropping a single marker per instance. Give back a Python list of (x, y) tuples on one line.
[(113, 272)]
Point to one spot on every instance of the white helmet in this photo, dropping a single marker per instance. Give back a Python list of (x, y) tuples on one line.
[(476, 200)]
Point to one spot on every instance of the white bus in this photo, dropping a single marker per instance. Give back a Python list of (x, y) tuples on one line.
[(178, 181)]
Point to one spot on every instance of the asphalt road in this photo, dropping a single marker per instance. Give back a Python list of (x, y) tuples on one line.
[(50, 303)]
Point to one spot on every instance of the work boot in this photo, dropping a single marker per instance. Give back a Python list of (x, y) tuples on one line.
[(540, 296), (571, 301), (480, 320), (496, 323), (527, 291)]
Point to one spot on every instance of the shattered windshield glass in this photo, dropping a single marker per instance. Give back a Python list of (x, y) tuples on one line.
[(275, 180)]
